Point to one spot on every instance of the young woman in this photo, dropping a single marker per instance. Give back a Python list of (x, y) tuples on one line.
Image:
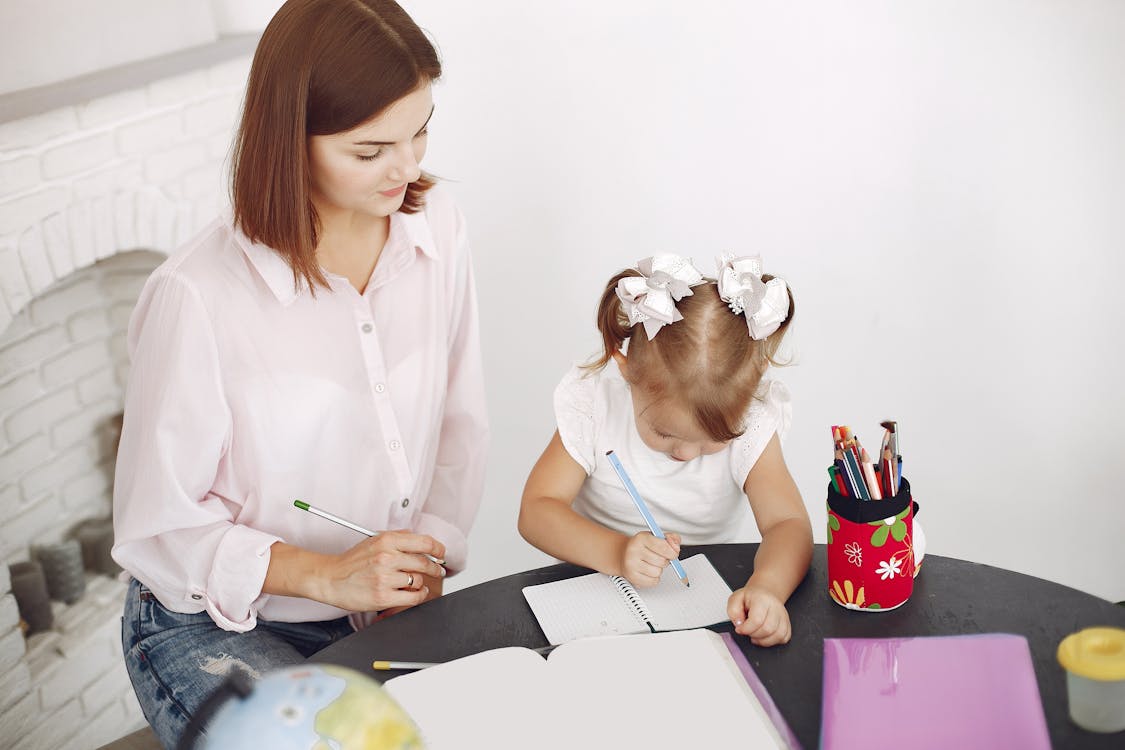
[(321, 344)]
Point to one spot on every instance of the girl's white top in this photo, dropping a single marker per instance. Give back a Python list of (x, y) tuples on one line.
[(247, 393), (701, 499)]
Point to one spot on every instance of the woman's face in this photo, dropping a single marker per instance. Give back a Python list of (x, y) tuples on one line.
[(366, 169)]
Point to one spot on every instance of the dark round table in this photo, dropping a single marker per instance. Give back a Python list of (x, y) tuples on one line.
[(951, 597)]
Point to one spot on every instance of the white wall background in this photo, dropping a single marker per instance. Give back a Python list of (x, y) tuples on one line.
[(47, 41), (942, 183)]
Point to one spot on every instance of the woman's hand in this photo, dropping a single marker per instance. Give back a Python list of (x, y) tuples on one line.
[(645, 557), (759, 614), (383, 572), (433, 585)]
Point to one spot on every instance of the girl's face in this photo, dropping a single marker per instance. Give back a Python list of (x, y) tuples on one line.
[(365, 170), (665, 426), (668, 428)]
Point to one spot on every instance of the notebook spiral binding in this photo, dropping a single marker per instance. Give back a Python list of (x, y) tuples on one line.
[(634, 600)]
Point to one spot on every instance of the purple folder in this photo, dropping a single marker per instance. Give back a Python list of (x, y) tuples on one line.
[(963, 692)]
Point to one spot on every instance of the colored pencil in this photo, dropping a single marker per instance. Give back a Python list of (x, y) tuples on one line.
[(857, 475), (404, 665), (354, 527), (640, 503), (834, 475), (845, 478), (869, 475)]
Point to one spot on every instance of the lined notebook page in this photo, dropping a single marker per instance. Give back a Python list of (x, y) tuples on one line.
[(592, 605), (673, 607), (588, 605)]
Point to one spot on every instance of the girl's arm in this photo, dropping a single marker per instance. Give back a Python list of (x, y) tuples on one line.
[(548, 521), (758, 608), (786, 550)]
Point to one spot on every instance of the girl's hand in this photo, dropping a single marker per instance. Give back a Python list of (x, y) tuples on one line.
[(645, 557), (760, 615), (382, 572)]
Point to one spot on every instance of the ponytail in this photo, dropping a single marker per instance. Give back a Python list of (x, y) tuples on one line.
[(773, 342), (612, 322)]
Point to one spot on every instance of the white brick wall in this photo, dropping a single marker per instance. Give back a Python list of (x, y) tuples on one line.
[(59, 392), (147, 140), (81, 187)]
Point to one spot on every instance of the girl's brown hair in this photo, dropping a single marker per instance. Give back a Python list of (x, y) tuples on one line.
[(707, 360), (321, 67)]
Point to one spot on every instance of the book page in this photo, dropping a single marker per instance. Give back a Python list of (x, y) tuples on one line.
[(675, 690), (493, 699), (589, 605), (674, 606)]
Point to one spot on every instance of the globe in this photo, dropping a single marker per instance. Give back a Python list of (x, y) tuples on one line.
[(312, 707)]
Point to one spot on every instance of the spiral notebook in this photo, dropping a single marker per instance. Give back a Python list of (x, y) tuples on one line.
[(667, 690), (599, 604)]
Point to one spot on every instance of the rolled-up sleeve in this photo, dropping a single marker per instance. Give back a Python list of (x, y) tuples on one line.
[(171, 531), (458, 479)]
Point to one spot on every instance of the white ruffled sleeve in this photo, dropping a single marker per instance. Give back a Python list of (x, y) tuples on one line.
[(574, 415), (771, 412)]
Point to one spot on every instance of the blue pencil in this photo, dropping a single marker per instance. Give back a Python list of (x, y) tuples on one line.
[(640, 503)]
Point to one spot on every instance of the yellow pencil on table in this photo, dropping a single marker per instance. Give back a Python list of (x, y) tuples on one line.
[(353, 526), (383, 666)]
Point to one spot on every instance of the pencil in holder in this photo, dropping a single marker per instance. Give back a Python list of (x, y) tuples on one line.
[(872, 560)]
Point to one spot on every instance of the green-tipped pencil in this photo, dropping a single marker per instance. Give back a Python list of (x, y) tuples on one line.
[(353, 526)]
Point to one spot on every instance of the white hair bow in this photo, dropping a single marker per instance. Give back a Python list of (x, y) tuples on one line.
[(764, 303), (651, 298)]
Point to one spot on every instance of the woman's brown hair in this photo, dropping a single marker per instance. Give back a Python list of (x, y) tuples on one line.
[(321, 67), (707, 360)]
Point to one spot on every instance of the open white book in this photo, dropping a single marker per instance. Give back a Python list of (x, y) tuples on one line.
[(665, 690), (599, 604)]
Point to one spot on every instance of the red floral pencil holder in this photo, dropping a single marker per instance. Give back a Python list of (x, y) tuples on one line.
[(871, 550)]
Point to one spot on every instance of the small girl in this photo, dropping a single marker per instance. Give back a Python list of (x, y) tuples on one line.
[(688, 413)]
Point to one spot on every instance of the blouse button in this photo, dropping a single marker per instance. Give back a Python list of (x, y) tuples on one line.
[(405, 501), (197, 597), (395, 445), (367, 327), (379, 387)]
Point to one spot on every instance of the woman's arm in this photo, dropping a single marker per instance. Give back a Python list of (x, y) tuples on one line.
[(381, 572), (548, 521), (171, 531)]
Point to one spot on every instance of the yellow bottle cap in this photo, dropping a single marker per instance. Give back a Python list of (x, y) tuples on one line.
[(1095, 653)]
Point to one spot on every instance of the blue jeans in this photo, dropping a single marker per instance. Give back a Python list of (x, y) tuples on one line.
[(176, 661)]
